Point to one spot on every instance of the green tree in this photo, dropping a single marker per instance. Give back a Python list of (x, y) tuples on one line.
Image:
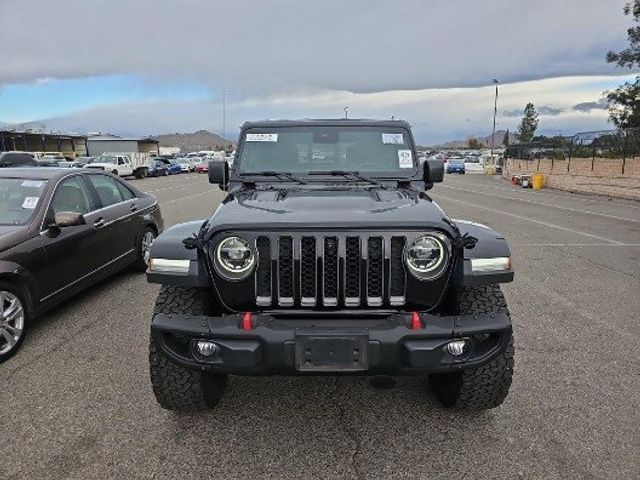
[(629, 57), (474, 144), (624, 104), (505, 140), (529, 123), (624, 101)]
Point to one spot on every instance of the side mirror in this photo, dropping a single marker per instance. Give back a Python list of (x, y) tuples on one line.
[(67, 219), (219, 173), (433, 171)]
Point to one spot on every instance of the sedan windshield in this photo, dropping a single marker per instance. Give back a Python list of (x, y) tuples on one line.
[(18, 199), (382, 150)]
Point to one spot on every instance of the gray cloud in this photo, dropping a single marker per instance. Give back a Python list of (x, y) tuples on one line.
[(589, 106), (542, 110), (257, 46)]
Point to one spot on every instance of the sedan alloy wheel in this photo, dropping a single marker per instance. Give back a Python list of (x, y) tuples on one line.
[(11, 321)]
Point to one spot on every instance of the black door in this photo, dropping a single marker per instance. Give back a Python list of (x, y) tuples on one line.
[(120, 211), (73, 253)]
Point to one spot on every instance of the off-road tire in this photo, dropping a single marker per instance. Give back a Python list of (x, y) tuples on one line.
[(176, 387), (483, 387)]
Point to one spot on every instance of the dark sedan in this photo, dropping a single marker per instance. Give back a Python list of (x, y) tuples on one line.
[(62, 230)]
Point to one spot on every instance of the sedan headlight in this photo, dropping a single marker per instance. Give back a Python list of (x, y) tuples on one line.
[(426, 257), (234, 258)]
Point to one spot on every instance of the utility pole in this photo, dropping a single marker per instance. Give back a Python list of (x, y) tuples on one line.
[(495, 112), (224, 117), (346, 112)]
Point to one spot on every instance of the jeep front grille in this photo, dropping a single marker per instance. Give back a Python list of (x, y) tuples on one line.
[(330, 271)]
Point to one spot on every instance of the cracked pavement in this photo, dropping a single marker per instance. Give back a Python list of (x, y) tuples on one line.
[(76, 400)]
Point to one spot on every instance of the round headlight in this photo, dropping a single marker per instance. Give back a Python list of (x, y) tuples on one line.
[(234, 258), (425, 257)]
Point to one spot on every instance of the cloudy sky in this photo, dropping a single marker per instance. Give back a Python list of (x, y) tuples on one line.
[(139, 67)]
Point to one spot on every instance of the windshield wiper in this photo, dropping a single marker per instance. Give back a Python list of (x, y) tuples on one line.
[(347, 174), (279, 175)]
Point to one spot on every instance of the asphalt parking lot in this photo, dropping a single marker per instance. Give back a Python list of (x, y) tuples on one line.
[(76, 401)]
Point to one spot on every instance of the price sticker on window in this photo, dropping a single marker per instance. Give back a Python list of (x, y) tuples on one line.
[(30, 203), (405, 159), (262, 137), (392, 139)]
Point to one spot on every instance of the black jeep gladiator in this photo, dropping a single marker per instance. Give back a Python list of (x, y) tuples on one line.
[(327, 256)]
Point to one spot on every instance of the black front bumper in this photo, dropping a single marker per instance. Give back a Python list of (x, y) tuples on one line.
[(391, 346)]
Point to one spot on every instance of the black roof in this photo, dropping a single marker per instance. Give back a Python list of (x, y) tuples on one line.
[(329, 122), (39, 173)]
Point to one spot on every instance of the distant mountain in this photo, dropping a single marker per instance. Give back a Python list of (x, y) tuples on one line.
[(484, 141), (192, 142)]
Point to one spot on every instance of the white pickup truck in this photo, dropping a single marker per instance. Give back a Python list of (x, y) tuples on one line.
[(122, 164)]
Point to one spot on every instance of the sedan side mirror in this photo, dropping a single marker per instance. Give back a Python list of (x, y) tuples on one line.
[(433, 171), (68, 219), (219, 173)]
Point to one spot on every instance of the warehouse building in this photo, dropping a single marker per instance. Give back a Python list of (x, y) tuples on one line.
[(70, 145), (105, 143)]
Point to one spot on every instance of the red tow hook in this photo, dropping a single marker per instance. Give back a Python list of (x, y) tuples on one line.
[(247, 322), (416, 324)]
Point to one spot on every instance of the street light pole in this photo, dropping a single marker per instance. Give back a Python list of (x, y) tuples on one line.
[(346, 112), (495, 112), (224, 116)]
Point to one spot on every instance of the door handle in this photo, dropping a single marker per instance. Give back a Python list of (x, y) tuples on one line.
[(133, 207), (98, 223)]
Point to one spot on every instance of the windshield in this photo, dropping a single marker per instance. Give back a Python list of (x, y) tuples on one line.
[(18, 199), (383, 150)]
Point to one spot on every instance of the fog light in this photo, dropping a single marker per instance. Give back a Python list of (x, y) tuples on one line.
[(457, 347), (206, 349)]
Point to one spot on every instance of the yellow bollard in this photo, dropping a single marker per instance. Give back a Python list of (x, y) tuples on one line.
[(538, 181)]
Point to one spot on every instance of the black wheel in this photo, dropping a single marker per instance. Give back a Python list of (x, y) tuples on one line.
[(139, 173), (176, 387), (143, 248), (14, 314), (115, 172), (486, 386)]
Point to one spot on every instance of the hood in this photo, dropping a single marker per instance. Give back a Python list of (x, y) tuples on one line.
[(368, 208), (11, 235)]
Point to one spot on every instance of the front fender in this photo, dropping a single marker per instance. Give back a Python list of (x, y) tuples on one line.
[(169, 246), (12, 272), (490, 245)]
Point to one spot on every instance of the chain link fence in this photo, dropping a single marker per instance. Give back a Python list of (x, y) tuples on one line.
[(604, 144)]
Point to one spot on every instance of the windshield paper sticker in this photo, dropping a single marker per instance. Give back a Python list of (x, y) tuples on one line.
[(262, 137), (405, 159), (392, 139), (30, 202), (32, 183)]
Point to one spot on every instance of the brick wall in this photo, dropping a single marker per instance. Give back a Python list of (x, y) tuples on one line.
[(602, 176)]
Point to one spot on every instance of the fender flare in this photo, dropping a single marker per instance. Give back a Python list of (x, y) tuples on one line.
[(491, 244), (169, 245)]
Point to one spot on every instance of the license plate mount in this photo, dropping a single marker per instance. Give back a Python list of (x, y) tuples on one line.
[(331, 353)]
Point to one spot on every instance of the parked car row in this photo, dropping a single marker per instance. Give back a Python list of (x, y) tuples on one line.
[(122, 165)]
